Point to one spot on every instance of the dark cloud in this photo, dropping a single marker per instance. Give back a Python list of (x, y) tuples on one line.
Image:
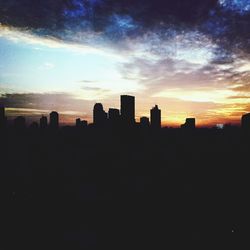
[(225, 22), (51, 13), (45, 101)]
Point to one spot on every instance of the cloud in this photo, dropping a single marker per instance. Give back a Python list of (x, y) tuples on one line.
[(187, 50), (112, 23), (87, 81), (239, 97), (61, 102), (34, 105), (242, 88), (28, 37)]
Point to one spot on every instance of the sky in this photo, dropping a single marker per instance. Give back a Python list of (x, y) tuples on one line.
[(191, 57)]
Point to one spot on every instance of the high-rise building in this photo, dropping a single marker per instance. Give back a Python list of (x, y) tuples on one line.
[(114, 117), (189, 124), (78, 122), (43, 122), (114, 114), (54, 120), (81, 123), (99, 115), (245, 121), (144, 122), (84, 123), (155, 117), (128, 109), (2, 117)]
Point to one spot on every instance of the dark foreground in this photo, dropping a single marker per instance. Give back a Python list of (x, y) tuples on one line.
[(94, 189)]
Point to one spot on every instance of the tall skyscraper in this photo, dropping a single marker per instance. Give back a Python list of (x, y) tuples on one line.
[(155, 117), (128, 109), (245, 121), (189, 124), (2, 117), (43, 122), (54, 120), (99, 115)]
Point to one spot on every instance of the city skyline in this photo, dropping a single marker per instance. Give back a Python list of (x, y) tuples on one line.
[(113, 118), (190, 58), (124, 124)]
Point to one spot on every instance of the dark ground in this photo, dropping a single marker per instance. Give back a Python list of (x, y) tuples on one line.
[(98, 189)]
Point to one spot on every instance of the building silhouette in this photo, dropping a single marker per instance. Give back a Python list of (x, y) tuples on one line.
[(189, 124), (81, 123), (19, 122), (245, 121), (2, 117), (144, 122), (113, 114), (99, 115), (78, 122), (43, 122), (155, 117), (128, 110), (114, 117), (84, 123), (54, 120)]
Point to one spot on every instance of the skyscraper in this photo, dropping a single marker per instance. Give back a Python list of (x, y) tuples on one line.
[(84, 123), (114, 117), (114, 114), (81, 123), (99, 115), (189, 124), (245, 121), (78, 122), (2, 117), (43, 122), (128, 109), (54, 120), (155, 117)]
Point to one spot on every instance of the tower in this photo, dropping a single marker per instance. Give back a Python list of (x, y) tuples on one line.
[(128, 109), (43, 122), (99, 115), (155, 117), (54, 120), (2, 117), (245, 121), (189, 124)]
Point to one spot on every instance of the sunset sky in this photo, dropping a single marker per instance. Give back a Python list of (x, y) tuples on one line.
[(191, 57)]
